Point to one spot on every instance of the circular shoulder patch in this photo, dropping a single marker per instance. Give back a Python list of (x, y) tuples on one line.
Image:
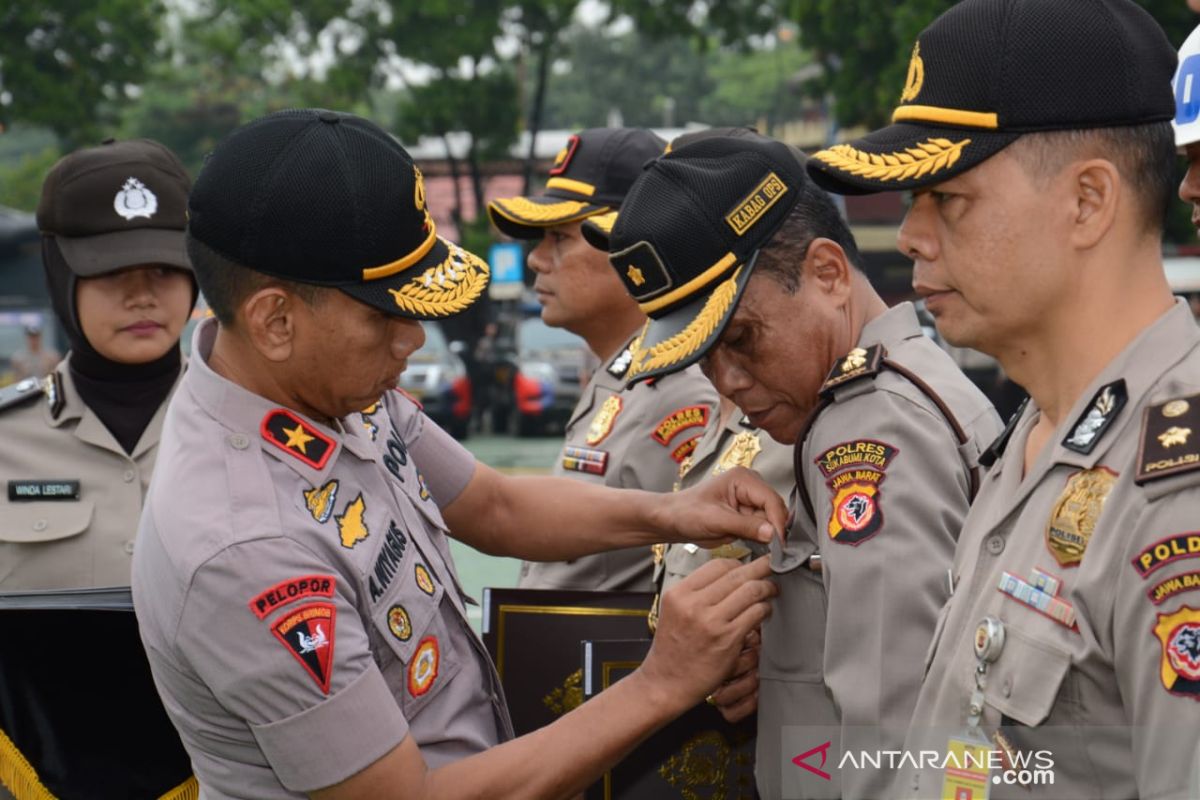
[(423, 669)]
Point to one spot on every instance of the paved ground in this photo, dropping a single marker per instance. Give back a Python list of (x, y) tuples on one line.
[(512, 456)]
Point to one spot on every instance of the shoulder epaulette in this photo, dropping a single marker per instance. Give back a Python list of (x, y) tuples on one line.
[(20, 393), (1166, 446), (858, 363), (996, 449)]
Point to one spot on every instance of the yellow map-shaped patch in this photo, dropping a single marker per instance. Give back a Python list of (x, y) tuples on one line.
[(351, 525)]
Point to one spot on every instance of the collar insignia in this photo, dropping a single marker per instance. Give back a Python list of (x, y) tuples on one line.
[(858, 363), (620, 364), (52, 388), (297, 438), (1167, 445), (1104, 408)]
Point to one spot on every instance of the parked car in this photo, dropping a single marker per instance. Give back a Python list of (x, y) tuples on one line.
[(438, 378), (551, 367)]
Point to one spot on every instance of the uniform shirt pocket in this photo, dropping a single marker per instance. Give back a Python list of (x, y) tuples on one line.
[(44, 522), (794, 634), (1024, 683), (421, 656), (938, 627)]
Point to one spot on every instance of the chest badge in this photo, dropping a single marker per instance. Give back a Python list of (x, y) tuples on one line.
[(423, 669), (319, 500), (1075, 514), (399, 623), (602, 424), (740, 453), (424, 580)]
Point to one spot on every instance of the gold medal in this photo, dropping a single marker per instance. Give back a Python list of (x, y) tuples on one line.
[(1076, 512), (741, 453), (602, 423)]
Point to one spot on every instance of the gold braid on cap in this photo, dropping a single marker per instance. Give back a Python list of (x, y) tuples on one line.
[(928, 157), (687, 341), (520, 209), (446, 288)]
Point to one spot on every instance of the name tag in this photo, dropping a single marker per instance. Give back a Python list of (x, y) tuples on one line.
[(42, 490)]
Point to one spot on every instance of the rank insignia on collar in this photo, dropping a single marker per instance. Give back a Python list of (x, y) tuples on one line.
[(308, 633), (423, 668), (319, 501), (52, 387), (297, 438), (620, 364), (741, 452), (352, 528), (1167, 446), (678, 421), (1075, 514), (368, 420), (1179, 634), (858, 363), (602, 424), (1101, 412)]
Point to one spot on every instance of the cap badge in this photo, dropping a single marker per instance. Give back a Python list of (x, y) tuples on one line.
[(419, 196), (916, 76), (635, 275), (135, 200)]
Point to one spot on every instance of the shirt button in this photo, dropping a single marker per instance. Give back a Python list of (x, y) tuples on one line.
[(995, 545), (240, 441), (129, 547), (128, 476), (1007, 688), (39, 525)]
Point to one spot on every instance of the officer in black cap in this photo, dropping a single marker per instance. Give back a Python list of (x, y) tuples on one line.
[(1036, 140), (77, 464), (619, 436), (745, 266), (293, 579)]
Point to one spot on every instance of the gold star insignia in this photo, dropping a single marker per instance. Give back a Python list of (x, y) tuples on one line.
[(297, 438), (636, 275)]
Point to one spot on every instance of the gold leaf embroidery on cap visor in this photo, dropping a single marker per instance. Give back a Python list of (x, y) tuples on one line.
[(524, 211), (926, 158), (446, 288), (687, 341)]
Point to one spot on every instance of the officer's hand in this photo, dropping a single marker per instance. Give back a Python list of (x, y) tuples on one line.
[(737, 504), (702, 628), (737, 698)]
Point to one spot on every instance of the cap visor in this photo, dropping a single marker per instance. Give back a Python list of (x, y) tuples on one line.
[(680, 338), (447, 281), (528, 217), (598, 229), (89, 256), (904, 156)]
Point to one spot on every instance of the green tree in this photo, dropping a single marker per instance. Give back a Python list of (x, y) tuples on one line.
[(68, 66)]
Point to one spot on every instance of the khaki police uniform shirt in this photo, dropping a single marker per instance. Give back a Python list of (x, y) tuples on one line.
[(296, 594), (1091, 565), (890, 487), (631, 438), (736, 443), (69, 513)]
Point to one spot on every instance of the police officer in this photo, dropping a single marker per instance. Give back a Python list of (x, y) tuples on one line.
[(630, 438), (80, 443), (1042, 173), (765, 290), (293, 580), (745, 264)]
